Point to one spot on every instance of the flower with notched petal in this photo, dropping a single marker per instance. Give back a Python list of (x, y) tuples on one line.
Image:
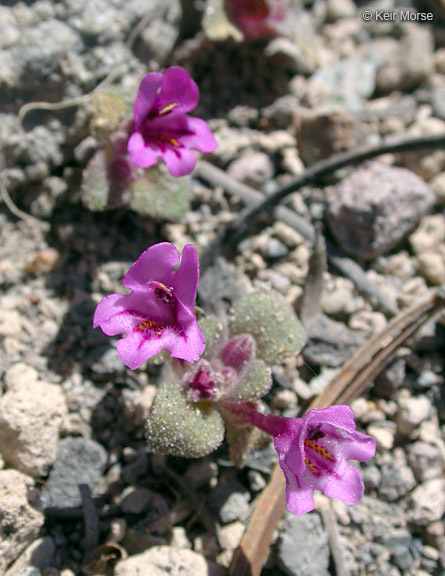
[(162, 127), (158, 314)]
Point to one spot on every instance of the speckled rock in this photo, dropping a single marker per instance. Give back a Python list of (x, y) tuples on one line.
[(31, 413), (166, 561), (20, 516), (78, 461), (309, 558), (428, 502), (253, 168), (374, 208)]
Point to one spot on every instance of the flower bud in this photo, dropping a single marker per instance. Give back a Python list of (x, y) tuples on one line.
[(239, 352)]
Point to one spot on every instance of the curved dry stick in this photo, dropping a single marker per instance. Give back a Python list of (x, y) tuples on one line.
[(355, 376), (238, 229)]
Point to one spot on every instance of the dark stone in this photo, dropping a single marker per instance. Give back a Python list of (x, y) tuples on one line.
[(329, 343), (230, 499), (321, 134), (374, 208), (78, 461), (391, 379)]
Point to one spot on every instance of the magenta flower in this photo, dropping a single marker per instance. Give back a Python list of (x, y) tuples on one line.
[(314, 453), (257, 18), (161, 125), (158, 314)]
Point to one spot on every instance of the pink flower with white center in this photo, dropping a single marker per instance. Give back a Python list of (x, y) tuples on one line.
[(158, 314), (314, 453), (257, 18), (161, 125)]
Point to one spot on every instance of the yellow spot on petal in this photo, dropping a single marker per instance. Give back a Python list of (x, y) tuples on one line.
[(147, 325), (313, 468), (167, 109), (322, 451), (164, 138)]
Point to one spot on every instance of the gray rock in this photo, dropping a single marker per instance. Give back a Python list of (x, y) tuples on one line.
[(425, 461), (438, 100), (344, 83), (136, 500), (323, 133), (411, 412), (78, 461), (303, 549), (329, 343), (31, 413), (398, 542), (253, 168), (20, 515), (38, 556), (231, 500), (167, 561), (428, 502), (374, 208), (217, 285), (284, 53), (391, 379), (397, 479), (407, 62)]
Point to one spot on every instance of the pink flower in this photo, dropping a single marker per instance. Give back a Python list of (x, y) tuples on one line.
[(257, 18), (158, 314), (161, 125), (314, 453)]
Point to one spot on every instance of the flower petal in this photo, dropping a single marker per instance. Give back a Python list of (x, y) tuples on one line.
[(178, 88), (339, 416), (198, 136), (345, 484), (179, 161), (186, 277), (358, 446), (117, 314), (190, 345), (288, 446), (134, 350), (156, 263), (142, 154), (299, 493), (146, 96)]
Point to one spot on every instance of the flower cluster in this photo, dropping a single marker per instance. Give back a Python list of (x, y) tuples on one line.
[(158, 314), (162, 127)]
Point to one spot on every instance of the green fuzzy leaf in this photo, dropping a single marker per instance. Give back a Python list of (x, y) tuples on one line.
[(159, 195), (272, 322), (212, 329), (182, 428), (255, 384), (95, 190)]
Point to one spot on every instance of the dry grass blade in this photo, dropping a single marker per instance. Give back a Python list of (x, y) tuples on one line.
[(350, 382)]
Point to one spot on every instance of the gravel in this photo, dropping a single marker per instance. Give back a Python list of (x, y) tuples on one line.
[(71, 413)]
